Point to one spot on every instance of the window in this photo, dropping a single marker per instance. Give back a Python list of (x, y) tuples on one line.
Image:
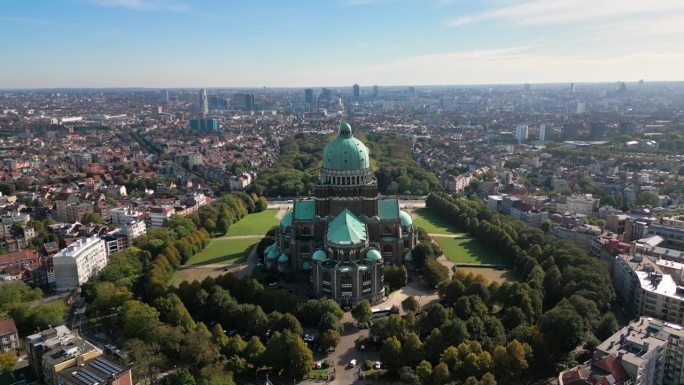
[(304, 248), (387, 248)]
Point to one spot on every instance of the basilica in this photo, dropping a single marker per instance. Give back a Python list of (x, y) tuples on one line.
[(346, 234)]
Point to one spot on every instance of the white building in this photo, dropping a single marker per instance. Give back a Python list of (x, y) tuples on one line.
[(124, 215), (134, 229), (160, 214), (77, 263), (542, 132)]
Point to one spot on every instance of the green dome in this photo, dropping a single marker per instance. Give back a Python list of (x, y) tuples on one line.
[(287, 219), (405, 219), (283, 258), (346, 153), (319, 255), (373, 255), (408, 257), (273, 254)]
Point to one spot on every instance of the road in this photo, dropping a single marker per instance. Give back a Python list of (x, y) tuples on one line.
[(346, 350)]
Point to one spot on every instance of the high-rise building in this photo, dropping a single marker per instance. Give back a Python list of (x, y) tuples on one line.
[(357, 91), (78, 262), (521, 132), (309, 96), (326, 94), (203, 102), (347, 234), (570, 131), (244, 102), (205, 125), (376, 91), (542, 132), (581, 108), (164, 96)]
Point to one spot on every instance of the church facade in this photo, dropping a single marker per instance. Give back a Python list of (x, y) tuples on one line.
[(345, 235)]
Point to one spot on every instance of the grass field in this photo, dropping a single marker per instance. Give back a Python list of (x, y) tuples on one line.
[(468, 250), (254, 224), (223, 251), (460, 248), (433, 224)]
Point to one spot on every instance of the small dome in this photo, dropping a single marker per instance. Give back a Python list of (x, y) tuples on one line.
[(373, 255), (405, 219), (319, 255), (273, 254), (408, 257), (306, 266), (346, 153), (283, 258), (287, 220)]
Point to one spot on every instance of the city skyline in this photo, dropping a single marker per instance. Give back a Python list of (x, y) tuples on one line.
[(182, 44)]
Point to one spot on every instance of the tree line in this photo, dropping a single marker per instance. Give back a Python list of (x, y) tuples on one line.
[(483, 332), (296, 171)]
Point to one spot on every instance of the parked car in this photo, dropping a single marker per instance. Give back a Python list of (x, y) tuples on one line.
[(377, 365), (352, 363)]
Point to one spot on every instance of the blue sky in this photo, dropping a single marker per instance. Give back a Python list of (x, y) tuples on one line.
[(276, 43)]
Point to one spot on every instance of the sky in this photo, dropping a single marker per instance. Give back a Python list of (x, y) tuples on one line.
[(314, 43)]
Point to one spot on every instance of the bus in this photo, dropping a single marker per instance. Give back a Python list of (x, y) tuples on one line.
[(378, 312)]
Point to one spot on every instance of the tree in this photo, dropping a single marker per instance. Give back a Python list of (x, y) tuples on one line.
[(424, 371), (210, 226), (440, 374), (648, 198), (109, 296), (182, 377), (412, 350), (330, 339), (563, 328), (362, 312), (222, 225), (236, 364), (146, 358), (435, 272), (396, 276), (234, 346), (254, 350), (410, 304), (197, 350), (421, 253), (488, 379), (8, 361), (391, 353), (91, 218), (287, 352), (138, 319), (607, 326), (329, 322)]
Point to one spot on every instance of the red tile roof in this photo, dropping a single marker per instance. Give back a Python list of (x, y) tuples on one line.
[(7, 326)]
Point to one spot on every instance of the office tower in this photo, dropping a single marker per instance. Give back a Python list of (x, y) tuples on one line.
[(581, 108), (572, 88), (308, 96), (356, 90), (244, 102), (521, 133), (164, 96), (542, 132), (376, 91), (326, 94), (205, 125), (203, 102)]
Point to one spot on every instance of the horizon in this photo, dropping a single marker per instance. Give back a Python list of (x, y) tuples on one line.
[(290, 44)]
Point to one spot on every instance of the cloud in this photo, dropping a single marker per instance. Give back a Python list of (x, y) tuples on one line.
[(545, 12), (144, 5)]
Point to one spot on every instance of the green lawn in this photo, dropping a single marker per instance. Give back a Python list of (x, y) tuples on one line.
[(254, 224), (224, 251), (434, 224), (468, 250)]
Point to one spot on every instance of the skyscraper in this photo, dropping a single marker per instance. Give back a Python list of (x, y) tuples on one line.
[(521, 133), (164, 96), (376, 91), (308, 96), (542, 132), (203, 102), (357, 91), (581, 108)]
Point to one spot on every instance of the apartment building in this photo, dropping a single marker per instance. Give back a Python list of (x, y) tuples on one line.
[(77, 263), (9, 338), (160, 214)]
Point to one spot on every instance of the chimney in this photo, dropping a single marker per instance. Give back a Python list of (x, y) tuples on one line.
[(80, 361)]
